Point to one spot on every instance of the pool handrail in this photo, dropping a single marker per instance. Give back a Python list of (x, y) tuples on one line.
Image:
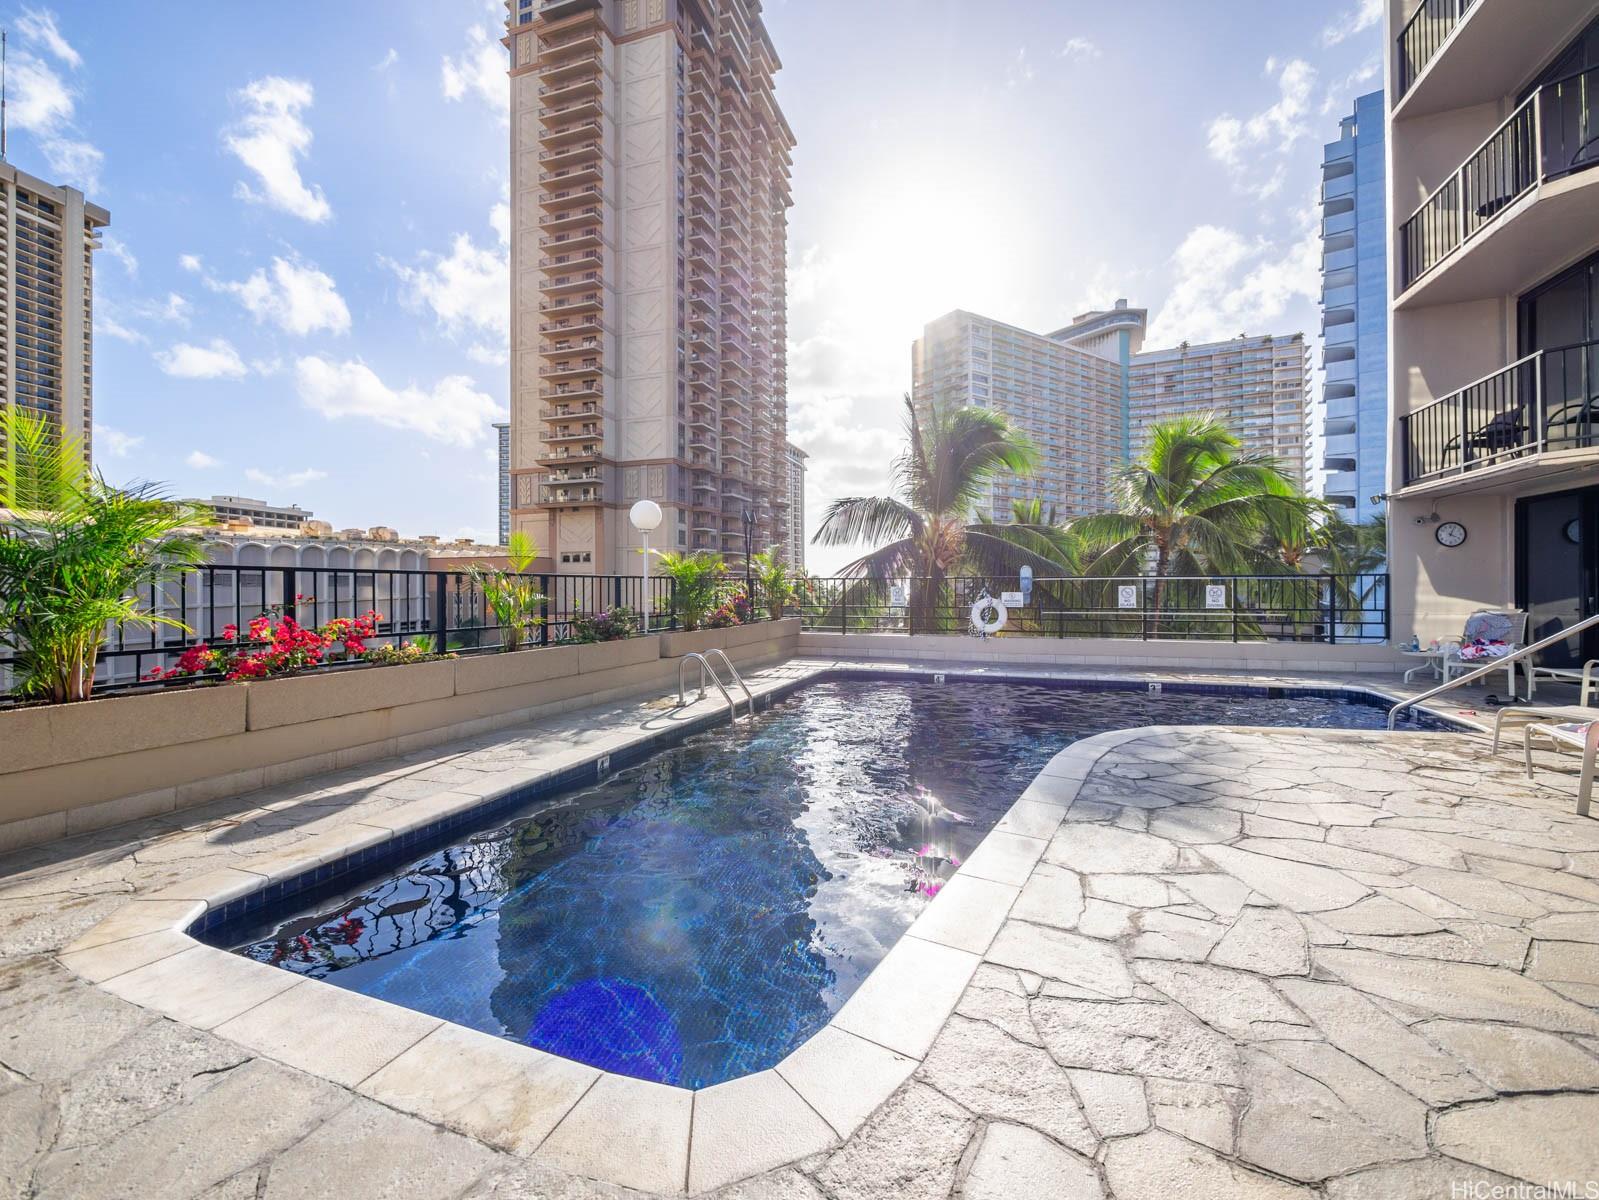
[(1492, 665), (706, 668)]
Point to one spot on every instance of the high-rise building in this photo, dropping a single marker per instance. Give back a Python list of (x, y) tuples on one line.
[(1259, 386), (1493, 341), (257, 512), (48, 236), (650, 169), (1086, 395), (503, 435), (1353, 414), (795, 490), (1066, 390)]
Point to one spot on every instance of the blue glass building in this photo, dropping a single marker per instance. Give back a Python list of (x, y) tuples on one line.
[(1354, 301)]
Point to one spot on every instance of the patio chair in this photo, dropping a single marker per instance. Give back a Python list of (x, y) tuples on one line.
[(1579, 735), (1486, 626), (1554, 714)]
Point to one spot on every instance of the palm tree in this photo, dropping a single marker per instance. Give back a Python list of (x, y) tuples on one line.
[(1196, 503), (925, 531), (1352, 557), (75, 553)]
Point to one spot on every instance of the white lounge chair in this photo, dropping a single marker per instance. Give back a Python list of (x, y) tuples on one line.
[(1488, 625), (1579, 735), (1584, 678), (1578, 713)]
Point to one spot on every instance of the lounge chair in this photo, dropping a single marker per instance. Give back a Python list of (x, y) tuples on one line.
[(1584, 678), (1580, 735), (1555, 714), (1489, 626)]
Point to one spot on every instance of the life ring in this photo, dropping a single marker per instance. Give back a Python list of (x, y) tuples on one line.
[(996, 623)]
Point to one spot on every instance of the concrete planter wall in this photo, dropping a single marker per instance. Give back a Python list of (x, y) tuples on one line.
[(1107, 652), (74, 768)]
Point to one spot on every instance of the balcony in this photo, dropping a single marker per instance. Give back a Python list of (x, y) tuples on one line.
[(568, 412), (571, 304), (1517, 207), (570, 219), (1539, 415), (574, 391), (1457, 53)]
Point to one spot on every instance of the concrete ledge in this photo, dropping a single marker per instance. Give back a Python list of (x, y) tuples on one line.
[(77, 768), (1107, 652), (64, 733)]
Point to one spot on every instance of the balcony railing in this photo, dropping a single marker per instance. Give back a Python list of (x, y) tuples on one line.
[(1554, 132), (1544, 402), (1424, 34)]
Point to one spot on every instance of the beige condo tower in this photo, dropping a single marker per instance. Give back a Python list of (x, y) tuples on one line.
[(650, 189), (48, 236)]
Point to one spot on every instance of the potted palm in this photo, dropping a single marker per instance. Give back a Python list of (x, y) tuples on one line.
[(511, 595), (76, 557)]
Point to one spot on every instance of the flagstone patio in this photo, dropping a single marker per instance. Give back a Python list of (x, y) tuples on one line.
[(1226, 963)]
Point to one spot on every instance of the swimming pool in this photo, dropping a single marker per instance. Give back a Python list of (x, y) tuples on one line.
[(694, 917)]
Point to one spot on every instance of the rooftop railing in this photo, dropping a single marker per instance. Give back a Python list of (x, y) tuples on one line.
[(445, 607), (1328, 609)]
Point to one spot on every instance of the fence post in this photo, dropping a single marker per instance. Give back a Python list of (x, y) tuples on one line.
[(441, 613), (1234, 585), (289, 607), (544, 610), (843, 606), (617, 593)]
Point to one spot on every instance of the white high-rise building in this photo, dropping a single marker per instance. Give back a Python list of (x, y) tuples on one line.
[(1258, 386), (1067, 391), (795, 543)]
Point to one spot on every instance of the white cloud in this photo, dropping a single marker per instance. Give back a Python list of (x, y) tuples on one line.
[(1252, 147), (469, 289), (39, 25), (1020, 71), (488, 355), (171, 308), (201, 461), (295, 296), (1225, 284), (114, 442), (270, 139), (117, 249), (108, 326), (479, 70), (387, 61), (1365, 15), (453, 411), (1081, 49), (500, 218), (216, 360), (291, 479), (43, 103)]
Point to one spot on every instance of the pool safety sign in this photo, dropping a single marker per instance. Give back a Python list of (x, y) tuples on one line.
[(897, 597), (1127, 597), (1012, 599), (1215, 595)]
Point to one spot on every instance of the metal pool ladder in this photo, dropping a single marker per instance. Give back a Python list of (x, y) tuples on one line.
[(709, 668)]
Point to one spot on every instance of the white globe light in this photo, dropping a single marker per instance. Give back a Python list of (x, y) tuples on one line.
[(645, 515)]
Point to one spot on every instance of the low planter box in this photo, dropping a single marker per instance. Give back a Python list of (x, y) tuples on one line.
[(676, 645)]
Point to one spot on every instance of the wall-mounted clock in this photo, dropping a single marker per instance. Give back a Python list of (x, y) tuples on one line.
[(1451, 534), (1573, 531)]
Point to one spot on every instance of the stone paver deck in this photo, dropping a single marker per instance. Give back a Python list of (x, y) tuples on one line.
[(1241, 963)]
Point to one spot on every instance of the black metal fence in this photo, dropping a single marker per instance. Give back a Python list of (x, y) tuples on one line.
[(447, 609), (1424, 34), (1329, 609)]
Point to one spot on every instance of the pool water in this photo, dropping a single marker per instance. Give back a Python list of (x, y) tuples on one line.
[(696, 917)]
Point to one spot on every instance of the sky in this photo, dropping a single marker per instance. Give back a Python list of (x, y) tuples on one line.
[(304, 290)]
